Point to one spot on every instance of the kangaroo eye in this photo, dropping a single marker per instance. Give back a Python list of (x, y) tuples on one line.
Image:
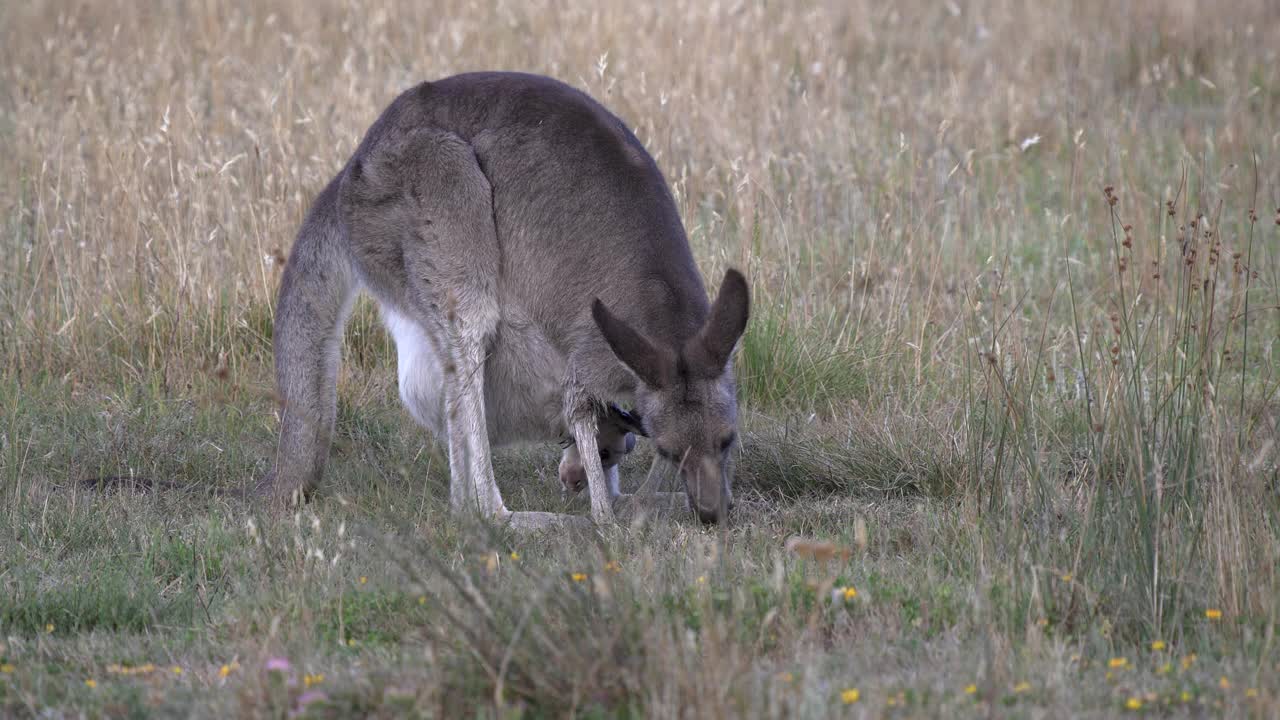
[(604, 455), (727, 443), (666, 454)]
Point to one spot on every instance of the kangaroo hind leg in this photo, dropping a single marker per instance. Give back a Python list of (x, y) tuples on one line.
[(422, 215)]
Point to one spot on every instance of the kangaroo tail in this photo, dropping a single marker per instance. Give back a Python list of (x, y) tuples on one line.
[(316, 293)]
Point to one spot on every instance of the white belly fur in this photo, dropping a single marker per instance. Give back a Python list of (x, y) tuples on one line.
[(523, 381), (421, 374)]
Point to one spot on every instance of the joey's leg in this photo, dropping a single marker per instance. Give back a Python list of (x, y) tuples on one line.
[(584, 435), (573, 477), (611, 477), (573, 474)]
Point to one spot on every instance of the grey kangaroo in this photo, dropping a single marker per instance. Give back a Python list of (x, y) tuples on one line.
[(530, 263)]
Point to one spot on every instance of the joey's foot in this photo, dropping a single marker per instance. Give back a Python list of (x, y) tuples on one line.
[(545, 521), (629, 505)]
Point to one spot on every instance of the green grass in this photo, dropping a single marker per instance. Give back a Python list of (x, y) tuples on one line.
[(186, 577)]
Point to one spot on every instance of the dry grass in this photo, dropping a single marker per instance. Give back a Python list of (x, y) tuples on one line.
[(1061, 434)]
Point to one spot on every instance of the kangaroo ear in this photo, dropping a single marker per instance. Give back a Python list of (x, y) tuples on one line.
[(628, 421), (650, 363), (708, 352)]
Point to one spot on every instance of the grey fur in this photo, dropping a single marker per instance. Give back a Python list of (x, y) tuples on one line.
[(486, 212)]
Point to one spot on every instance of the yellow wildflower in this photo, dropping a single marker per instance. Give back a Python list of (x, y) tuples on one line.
[(1251, 693), (1133, 703), (578, 577), (1185, 696), (91, 683), (363, 580), (177, 670), (515, 555), (7, 668), (49, 628), (1116, 663), (224, 671), (613, 566), (1213, 614), (1157, 645), (1188, 661), (1165, 669), (971, 689), (1066, 577), (850, 696), (1224, 683), (702, 579), (1022, 687), (850, 593), (309, 679), (786, 677), (422, 599)]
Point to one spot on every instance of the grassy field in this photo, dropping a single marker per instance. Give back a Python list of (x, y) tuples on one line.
[(1009, 388)]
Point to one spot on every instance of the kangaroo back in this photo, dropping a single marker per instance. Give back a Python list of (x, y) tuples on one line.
[(579, 208), (580, 211)]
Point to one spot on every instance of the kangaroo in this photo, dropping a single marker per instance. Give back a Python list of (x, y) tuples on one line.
[(531, 266)]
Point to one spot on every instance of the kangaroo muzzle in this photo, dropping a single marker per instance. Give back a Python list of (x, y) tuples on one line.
[(706, 483)]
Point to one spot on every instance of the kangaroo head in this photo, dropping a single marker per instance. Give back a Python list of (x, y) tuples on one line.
[(686, 396)]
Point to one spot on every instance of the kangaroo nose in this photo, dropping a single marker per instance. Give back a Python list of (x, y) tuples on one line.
[(708, 517)]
